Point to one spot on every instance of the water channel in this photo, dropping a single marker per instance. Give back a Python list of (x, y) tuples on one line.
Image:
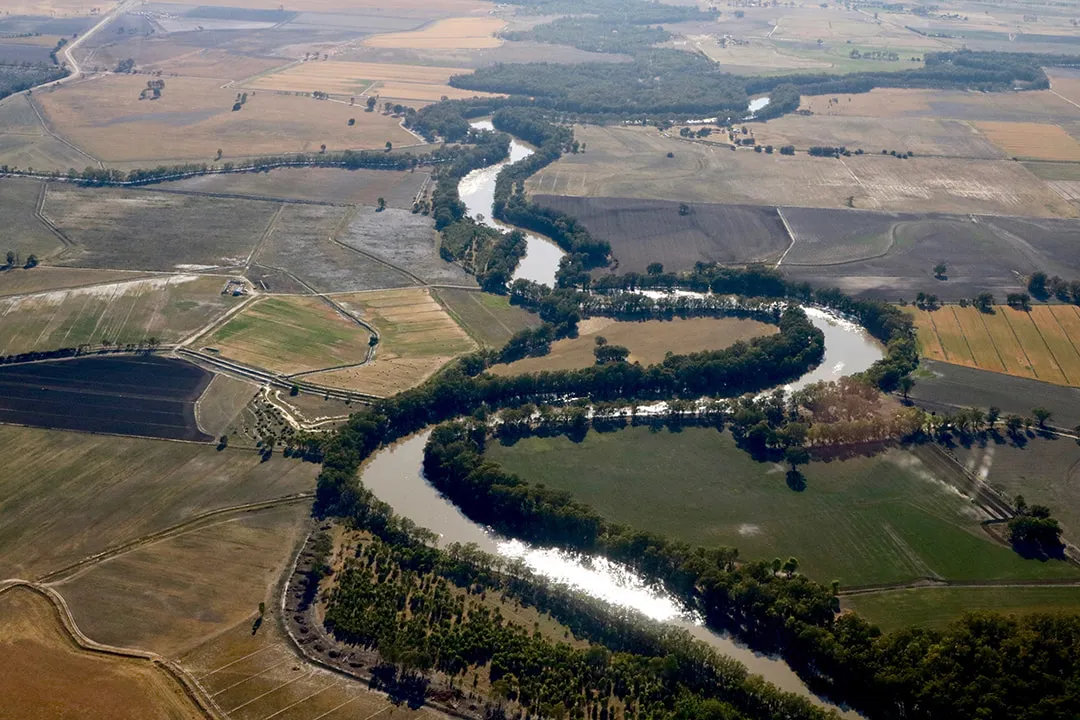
[(477, 191)]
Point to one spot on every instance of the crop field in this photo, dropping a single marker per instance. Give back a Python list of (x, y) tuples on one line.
[(414, 85), (47, 675), (489, 319), (98, 491), (1038, 106), (22, 231), (981, 253), (300, 243), (19, 281), (938, 606), (145, 230), (329, 185), (24, 143), (130, 395), (1031, 141), (174, 594), (215, 63), (633, 162), (289, 335), (643, 231), (648, 341), (922, 136), (194, 118), (889, 519), (166, 308), (403, 240), (417, 338), (1041, 344), (463, 33), (401, 8), (220, 404)]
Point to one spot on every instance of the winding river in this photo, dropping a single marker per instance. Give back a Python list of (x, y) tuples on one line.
[(395, 473), (477, 191)]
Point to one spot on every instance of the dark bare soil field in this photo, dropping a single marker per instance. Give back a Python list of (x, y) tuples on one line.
[(892, 256), (143, 396), (943, 387), (647, 231), (349, 187), (137, 230)]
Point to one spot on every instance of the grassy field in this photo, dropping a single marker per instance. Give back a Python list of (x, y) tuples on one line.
[(633, 162), (1037, 106), (221, 402), (214, 63), (18, 281), (74, 494), (290, 335), (936, 607), (648, 342), (47, 675), (489, 319), (1031, 141), (167, 308), (464, 33), (1041, 344), (417, 84), (24, 142), (861, 521), (194, 118), (22, 231), (173, 595), (145, 230), (417, 338)]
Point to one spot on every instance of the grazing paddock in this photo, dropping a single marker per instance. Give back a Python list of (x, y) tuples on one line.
[(167, 308), (288, 335), (46, 674), (489, 319), (100, 491), (350, 78), (643, 232), (417, 337), (42, 278), (172, 595), (1031, 141), (214, 63), (220, 404), (330, 185), (1027, 106), (464, 33), (831, 237), (1041, 344), (146, 230), (194, 118), (22, 231), (24, 142), (936, 607), (863, 520), (648, 341), (400, 8)]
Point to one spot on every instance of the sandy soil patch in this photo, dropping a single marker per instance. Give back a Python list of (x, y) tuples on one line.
[(648, 342), (194, 118), (46, 675), (465, 33)]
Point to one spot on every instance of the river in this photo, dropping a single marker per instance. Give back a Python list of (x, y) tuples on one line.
[(477, 191)]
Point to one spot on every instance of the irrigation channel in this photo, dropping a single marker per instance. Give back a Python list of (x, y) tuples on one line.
[(395, 474), (477, 191)]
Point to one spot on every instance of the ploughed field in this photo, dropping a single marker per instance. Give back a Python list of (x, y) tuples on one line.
[(144, 396), (863, 520)]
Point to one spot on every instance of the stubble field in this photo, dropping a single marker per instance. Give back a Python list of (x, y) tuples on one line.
[(1038, 106), (1041, 344), (1031, 141), (22, 231), (648, 342), (25, 143), (417, 337), (489, 319), (464, 33)]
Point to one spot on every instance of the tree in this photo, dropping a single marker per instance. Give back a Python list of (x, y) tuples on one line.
[(381, 202), (294, 390), (795, 456), (655, 269), (322, 148), (10, 257), (352, 121), (1042, 415), (940, 269), (223, 442), (389, 146), (219, 154), (31, 261), (1037, 284), (684, 209), (992, 415), (905, 384), (1014, 423), (791, 566), (985, 302), (371, 102)]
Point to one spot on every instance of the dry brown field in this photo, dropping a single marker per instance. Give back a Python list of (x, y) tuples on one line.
[(221, 402), (464, 33), (22, 231), (1031, 141), (633, 162), (1043, 344), (194, 118), (1065, 83), (24, 142), (172, 595), (54, 8), (414, 84), (43, 278), (648, 342), (167, 308), (1027, 106), (289, 334), (35, 40), (399, 8), (922, 136), (417, 338), (73, 494), (213, 63), (47, 675)]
